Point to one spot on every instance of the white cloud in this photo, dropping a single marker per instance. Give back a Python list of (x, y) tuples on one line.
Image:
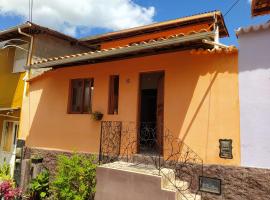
[(73, 16)]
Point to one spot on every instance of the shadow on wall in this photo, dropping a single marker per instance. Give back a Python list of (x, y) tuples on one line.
[(207, 105), (206, 94)]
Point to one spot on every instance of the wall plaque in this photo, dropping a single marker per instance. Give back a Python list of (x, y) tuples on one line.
[(225, 148), (211, 185)]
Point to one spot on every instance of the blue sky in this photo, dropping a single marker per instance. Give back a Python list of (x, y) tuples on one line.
[(144, 12)]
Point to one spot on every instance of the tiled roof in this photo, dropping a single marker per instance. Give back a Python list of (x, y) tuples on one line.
[(253, 28), (260, 7), (142, 43), (159, 26), (32, 28), (230, 49)]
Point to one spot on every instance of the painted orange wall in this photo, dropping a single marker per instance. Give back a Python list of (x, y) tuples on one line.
[(201, 103), (129, 40)]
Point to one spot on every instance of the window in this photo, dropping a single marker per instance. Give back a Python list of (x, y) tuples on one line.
[(113, 94), (81, 95)]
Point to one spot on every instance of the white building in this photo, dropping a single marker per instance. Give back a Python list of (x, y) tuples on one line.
[(254, 91)]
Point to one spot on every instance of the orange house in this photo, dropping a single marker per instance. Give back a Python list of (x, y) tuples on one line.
[(170, 77)]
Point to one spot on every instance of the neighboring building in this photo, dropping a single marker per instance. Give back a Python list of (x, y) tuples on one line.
[(254, 89), (170, 76), (11, 92), (15, 45)]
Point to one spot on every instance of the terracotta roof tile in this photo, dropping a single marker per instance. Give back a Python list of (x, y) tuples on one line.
[(120, 47), (230, 49), (254, 28), (198, 18)]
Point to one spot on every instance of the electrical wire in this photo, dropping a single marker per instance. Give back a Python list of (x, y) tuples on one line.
[(32, 3), (232, 6), (29, 3), (30, 7)]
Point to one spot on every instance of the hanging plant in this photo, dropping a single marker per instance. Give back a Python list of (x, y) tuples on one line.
[(97, 116)]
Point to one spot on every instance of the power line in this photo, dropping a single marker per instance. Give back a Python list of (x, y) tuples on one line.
[(232, 6), (29, 9), (30, 6), (32, 3)]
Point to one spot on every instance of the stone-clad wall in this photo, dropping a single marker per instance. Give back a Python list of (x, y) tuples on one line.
[(238, 183), (49, 157)]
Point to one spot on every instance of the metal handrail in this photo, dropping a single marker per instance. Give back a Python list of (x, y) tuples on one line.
[(119, 142)]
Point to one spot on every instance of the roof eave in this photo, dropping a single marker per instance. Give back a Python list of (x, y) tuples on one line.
[(36, 29), (15, 29), (126, 50)]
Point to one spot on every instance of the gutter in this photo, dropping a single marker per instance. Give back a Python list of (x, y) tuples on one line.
[(29, 58), (26, 25), (125, 50), (31, 44)]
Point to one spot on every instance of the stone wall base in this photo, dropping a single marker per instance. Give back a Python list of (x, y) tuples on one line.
[(238, 183)]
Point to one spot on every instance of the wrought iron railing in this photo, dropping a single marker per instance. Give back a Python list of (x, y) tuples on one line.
[(151, 146)]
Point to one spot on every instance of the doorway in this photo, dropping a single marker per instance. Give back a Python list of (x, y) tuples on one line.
[(151, 111), (8, 143)]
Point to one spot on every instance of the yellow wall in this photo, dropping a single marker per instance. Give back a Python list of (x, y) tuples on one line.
[(1, 128), (11, 84), (201, 103)]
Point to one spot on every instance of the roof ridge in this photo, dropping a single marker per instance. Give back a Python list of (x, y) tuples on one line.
[(149, 26), (253, 28), (141, 43)]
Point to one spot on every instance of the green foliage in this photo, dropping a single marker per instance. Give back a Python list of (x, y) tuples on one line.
[(5, 172), (75, 178), (39, 187)]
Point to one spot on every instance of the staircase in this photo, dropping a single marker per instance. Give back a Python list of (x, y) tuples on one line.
[(129, 181), (157, 174)]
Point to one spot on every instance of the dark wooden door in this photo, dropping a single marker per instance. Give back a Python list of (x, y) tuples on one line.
[(160, 113)]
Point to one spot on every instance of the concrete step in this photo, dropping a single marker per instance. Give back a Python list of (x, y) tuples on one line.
[(188, 196), (181, 188), (169, 180), (129, 181), (149, 159), (126, 181)]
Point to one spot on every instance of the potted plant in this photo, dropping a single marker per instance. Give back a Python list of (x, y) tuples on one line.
[(97, 116), (35, 159)]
